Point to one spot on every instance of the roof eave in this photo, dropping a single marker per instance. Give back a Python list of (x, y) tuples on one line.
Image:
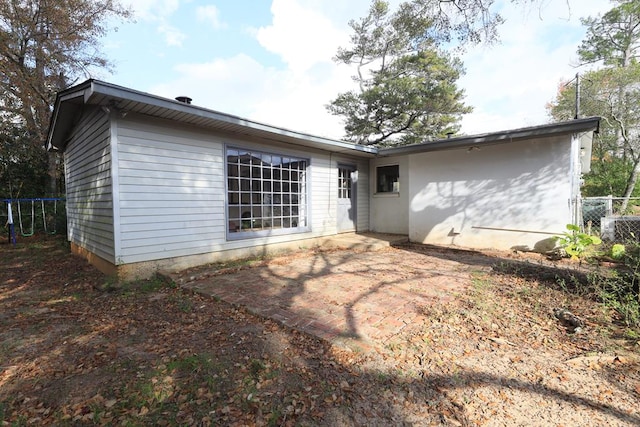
[(93, 89), (502, 137), (65, 112)]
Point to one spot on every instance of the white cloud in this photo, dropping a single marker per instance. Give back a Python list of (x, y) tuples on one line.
[(154, 10), (160, 12), (292, 96), (509, 84), (172, 35), (211, 15), (231, 85), (301, 36), (242, 86)]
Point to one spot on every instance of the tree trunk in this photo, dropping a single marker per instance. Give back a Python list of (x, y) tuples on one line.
[(52, 174), (631, 185)]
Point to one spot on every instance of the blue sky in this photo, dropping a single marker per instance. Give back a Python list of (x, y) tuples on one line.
[(270, 60)]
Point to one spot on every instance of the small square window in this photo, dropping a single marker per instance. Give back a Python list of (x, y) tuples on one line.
[(388, 179)]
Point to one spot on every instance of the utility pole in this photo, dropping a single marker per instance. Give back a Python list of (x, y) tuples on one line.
[(577, 95)]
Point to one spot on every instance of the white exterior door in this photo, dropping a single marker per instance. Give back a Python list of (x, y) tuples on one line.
[(347, 180)]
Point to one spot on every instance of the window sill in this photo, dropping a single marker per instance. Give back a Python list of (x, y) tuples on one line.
[(385, 195), (260, 233)]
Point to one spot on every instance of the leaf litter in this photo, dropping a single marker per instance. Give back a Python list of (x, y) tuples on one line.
[(74, 351)]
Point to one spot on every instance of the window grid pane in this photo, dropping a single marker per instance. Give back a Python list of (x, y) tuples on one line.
[(344, 183), (265, 191)]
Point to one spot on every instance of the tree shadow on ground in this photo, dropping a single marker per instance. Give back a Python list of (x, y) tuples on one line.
[(534, 266), (217, 362), (284, 286)]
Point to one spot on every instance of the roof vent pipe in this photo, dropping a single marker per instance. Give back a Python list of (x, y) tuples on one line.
[(184, 99), (449, 134)]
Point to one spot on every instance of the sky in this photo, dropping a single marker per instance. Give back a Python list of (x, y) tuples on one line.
[(271, 60)]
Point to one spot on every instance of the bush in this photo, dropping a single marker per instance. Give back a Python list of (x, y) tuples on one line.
[(577, 244), (621, 291)]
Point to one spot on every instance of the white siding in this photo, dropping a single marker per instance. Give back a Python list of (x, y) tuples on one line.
[(172, 192), (363, 196), (323, 189), (87, 161), (501, 196)]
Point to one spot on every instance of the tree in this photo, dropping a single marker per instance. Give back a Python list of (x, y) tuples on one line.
[(23, 170), (612, 93), (407, 87), (612, 38), (44, 45), (406, 82), (466, 22)]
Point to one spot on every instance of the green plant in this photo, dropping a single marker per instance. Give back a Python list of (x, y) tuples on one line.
[(145, 286), (256, 367), (618, 294), (618, 251), (577, 244)]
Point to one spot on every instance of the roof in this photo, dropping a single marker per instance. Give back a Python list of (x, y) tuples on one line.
[(70, 102), (501, 137)]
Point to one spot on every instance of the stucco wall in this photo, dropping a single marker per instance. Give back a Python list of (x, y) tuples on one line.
[(501, 196)]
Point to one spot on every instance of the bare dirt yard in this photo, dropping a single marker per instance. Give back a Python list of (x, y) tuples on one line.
[(76, 348)]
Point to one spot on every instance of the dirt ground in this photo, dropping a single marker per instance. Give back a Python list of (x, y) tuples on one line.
[(78, 349)]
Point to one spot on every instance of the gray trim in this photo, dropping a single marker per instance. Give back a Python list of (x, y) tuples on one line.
[(70, 102), (503, 137), (245, 235)]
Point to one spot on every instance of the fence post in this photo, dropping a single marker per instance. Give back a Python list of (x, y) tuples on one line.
[(12, 231)]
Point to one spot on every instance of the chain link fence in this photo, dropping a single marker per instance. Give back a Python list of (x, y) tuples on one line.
[(603, 216)]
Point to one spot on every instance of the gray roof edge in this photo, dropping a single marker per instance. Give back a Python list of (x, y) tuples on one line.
[(116, 91), (54, 139), (500, 137)]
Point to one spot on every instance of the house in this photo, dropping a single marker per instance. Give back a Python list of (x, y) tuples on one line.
[(159, 183)]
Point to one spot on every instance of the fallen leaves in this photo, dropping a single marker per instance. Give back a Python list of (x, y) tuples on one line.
[(501, 341), (169, 357)]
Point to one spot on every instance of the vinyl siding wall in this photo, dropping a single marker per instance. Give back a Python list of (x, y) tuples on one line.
[(363, 197), (172, 191), (87, 160)]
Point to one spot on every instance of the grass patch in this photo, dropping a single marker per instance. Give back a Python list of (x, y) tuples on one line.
[(183, 303), (147, 286), (482, 295)]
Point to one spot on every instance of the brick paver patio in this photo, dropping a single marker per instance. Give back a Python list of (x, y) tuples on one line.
[(348, 297)]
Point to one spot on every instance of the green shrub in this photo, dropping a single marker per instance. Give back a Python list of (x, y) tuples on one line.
[(618, 251), (577, 244), (620, 291)]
